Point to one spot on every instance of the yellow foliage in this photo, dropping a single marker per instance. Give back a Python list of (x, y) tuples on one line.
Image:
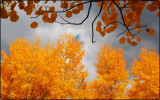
[(145, 71), (50, 72), (112, 74), (56, 71)]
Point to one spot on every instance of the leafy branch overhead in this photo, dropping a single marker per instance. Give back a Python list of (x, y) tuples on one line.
[(113, 13)]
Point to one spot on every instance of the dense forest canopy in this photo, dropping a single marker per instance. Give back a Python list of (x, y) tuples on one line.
[(56, 71)]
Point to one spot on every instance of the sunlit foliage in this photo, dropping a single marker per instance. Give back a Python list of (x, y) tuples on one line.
[(145, 70), (35, 72), (112, 74), (56, 71)]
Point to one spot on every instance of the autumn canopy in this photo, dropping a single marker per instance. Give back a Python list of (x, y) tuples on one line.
[(56, 71)]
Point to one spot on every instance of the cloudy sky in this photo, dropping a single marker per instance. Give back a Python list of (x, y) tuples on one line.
[(11, 31)]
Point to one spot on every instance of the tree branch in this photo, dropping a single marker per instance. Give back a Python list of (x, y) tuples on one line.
[(114, 22), (95, 20), (132, 29), (122, 16), (14, 5), (61, 11), (125, 6), (3, 3), (67, 22)]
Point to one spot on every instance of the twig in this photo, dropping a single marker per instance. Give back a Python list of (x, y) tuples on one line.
[(14, 5), (122, 16), (132, 29), (95, 20), (3, 3), (121, 33), (61, 11), (125, 6), (114, 22), (67, 22)]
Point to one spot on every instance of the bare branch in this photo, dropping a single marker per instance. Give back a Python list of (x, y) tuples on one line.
[(65, 6), (67, 22), (3, 3), (132, 29), (108, 6), (122, 33), (136, 33), (95, 20), (138, 27), (130, 22), (125, 6), (122, 16), (114, 22)]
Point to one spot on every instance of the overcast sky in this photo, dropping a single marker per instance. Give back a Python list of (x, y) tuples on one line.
[(11, 31)]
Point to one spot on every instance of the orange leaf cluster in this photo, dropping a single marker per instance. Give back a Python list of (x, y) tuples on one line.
[(36, 1), (34, 25), (99, 24), (128, 34), (51, 8), (80, 7), (138, 39), (68, 14), (13, 16), (4, 13), (21, 5), (76, 11), (132, 17), (29, 8), (72, 5), (122, 40), (153, 6), (151, 32)]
